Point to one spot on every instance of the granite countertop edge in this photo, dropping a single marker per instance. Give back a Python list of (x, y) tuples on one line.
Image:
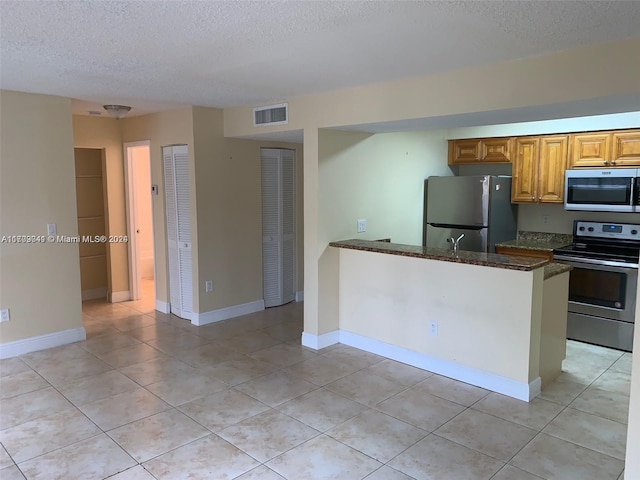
[(545, 242), (552, 269), (472, 258), (532, 245)]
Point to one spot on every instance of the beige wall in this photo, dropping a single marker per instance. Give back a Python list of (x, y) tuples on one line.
[(553, 343), (161, 129), (378, 178), (229, 213), (312, 248), (392, 299), (632, 466), (543, 80), (104, 133), (374, 177), (39, 283)]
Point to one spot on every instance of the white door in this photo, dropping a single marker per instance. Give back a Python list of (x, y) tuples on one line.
[(278, 225), (176, 186)]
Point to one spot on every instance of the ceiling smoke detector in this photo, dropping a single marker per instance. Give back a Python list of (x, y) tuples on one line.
[(117, 111)]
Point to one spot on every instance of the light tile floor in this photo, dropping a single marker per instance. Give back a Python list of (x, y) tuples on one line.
[(148, 395)]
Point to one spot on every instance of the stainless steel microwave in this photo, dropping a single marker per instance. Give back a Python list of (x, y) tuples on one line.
[(602, 190)]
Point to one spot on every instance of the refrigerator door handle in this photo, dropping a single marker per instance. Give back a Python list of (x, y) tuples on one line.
[(463, 227)]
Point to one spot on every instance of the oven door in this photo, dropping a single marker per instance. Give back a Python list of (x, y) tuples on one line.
[(602, 288)]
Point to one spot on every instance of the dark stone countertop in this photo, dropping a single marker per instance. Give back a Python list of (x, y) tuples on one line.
[(552, 269), (474, 258), (540, 241)]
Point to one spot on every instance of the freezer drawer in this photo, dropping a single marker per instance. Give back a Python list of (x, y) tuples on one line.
[(475, 240)]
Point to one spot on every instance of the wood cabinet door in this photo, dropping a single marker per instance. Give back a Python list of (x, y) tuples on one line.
[(497, 150), (464, 151), (525, 170), (626, 149), (553, 163), (590, 150), (524, 252)]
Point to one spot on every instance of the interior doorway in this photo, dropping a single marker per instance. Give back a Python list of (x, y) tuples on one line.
[(137, 158), (90, 205), (278, 225)]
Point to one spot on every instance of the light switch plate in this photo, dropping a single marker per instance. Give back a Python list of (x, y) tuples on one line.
[(4, 315), (51, 229)]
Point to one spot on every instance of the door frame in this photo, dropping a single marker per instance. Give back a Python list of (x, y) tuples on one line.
[(130, 207)]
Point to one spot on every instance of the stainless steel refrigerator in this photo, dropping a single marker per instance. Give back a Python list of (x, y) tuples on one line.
[(478, 206)]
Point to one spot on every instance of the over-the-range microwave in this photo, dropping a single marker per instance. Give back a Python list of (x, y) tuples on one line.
[(602, 190)]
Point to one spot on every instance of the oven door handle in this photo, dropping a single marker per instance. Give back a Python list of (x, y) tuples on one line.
[(606, 263)]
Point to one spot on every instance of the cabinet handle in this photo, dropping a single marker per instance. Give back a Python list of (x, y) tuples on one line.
[(612, 162), (606, 163)]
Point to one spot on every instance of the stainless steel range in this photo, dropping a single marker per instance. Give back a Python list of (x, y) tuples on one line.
[(603, 282)]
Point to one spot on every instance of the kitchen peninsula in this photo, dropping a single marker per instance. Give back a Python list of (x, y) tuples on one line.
[(495, 321)]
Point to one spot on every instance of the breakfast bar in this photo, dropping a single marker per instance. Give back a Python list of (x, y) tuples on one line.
[(495, 321)]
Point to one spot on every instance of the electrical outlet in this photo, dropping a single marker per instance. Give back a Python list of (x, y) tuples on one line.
[(433, 328), (51, 229), (362, 225), (545, 219), (208, 286), (4, 315)]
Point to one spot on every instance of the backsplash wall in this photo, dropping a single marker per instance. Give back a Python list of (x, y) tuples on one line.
[(553, 218)]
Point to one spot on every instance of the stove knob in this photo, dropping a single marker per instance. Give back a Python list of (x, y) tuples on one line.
[(634, 232), (591, 229), (581, 229)]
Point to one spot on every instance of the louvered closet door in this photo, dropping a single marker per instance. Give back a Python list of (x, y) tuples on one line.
[(288, 224), (176, 184), (278, 225)]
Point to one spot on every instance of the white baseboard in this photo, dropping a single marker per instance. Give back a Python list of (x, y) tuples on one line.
[(225, 313), (490, 381), (117, 297), (42, 342), (300, 296), (318, 342), (94, 293), (163, 307)]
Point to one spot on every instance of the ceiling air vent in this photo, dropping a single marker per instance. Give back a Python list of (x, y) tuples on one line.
[(271, 115)]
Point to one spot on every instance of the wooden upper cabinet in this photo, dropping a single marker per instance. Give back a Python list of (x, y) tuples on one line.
[(464, 151), (524, 181), (605, 149), (539, 164), (625, 149), (590, 149), (480, 150), (553, 163), (496, 150)]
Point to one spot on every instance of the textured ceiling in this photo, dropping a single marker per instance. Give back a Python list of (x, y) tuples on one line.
[(155, 55)]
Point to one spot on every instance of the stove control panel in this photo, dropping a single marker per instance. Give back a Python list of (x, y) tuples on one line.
[(619, 231)]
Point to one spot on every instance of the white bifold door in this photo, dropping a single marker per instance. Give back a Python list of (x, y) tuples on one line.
[(178, 210), (278, 225)]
